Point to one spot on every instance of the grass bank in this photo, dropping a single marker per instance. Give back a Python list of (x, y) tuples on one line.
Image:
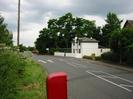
[(21, 77), (33, 84)]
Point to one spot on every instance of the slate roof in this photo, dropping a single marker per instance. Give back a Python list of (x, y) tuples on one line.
[(85, 39)]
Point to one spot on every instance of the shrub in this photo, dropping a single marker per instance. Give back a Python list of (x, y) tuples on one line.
[(90, 57), (11, 69), (110, 56), (87, 57), (129, 57)]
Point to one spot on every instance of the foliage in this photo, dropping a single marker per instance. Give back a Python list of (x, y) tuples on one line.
[(130, 55), (91, 58), (5, 35), (110, 56), (11, 70), (20, 78), (22, 48), (121, 43), (29, 48), (61, 31), (33, 84), (113, 23)]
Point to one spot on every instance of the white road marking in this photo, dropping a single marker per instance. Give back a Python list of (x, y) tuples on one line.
[(42, 61), (119, 77), (79, 65), (50, 61), (126, 85), (109, 81), (71, 64), (96, 71), (108, 77)]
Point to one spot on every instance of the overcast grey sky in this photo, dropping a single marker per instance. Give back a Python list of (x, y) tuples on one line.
[(36, 13)]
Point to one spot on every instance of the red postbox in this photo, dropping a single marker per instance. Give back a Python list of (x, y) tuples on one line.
[(57, 86)]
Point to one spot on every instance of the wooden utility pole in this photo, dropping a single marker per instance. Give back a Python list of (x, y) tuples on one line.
[(18, 25)]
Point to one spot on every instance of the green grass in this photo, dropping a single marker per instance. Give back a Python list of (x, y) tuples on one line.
[(21, 77), (33, 84)]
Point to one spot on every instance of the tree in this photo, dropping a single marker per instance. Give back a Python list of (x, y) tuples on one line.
[(44, 41), (115, 43), (53, 27), (113, 23), (121, 42), (5, 35), (65, 24), (61, 31)]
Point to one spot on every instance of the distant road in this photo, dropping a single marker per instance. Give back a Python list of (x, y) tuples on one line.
[(89, 80)]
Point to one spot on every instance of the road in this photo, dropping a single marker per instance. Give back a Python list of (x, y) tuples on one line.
[(90, 80)]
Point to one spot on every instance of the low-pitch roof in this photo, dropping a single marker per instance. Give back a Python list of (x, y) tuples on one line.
[(85, 39)]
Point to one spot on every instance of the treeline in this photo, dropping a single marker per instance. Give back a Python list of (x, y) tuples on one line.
[(5, 35), (121, 44), (61, 31), (19, 75)]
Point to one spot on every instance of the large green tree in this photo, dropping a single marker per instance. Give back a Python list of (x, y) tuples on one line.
[(43, 41), (5, 35), (61, 31), (113, 23), (121, 43)]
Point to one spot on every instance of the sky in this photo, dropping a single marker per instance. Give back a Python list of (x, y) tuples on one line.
[(36, 13)]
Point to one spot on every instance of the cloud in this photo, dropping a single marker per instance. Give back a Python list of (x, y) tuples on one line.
[(98, 20), (36, 13), (102, 7)]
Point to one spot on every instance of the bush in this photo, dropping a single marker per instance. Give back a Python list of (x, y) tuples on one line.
[(110, 56), (11, 69), (52, 50), (129, 58), (91, 58), (87, 57)]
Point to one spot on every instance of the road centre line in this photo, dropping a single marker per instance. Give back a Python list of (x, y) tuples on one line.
[(109, 81), (42, 61)]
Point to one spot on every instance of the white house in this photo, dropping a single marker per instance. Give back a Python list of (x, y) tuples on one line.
[(83, 47), (86, 47)]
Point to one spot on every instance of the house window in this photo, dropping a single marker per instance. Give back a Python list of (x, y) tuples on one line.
[(79, 43), (73, 50), (79, 50)]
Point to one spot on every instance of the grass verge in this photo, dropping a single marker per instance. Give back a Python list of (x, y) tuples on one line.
[(21, 77), (33, 84)]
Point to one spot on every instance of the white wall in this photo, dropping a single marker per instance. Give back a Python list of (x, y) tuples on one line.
[(77, 55), (85, 47), (69, 54), (97, 52), (88, 52), (63, 54), (58, 54)]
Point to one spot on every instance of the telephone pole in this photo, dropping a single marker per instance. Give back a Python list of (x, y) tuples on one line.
[(18, 24)]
